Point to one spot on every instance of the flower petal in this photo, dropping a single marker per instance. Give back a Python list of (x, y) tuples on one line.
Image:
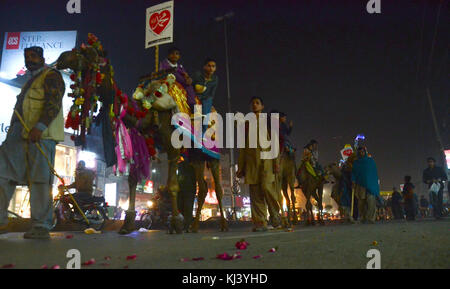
[(132, 257), (89, 262)]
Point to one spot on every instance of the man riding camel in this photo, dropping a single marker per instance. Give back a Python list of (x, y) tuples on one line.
[(311, 156)]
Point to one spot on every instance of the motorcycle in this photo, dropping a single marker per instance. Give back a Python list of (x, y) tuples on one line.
[(65, 211), (155, 213)]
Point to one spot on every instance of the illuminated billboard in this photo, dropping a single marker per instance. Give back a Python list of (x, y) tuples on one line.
[(13, 74)]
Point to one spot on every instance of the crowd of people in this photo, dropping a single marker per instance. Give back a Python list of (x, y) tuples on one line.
[(407, 205), (38, 119)]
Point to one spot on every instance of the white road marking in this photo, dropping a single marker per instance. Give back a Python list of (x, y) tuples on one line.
[(254, 235)]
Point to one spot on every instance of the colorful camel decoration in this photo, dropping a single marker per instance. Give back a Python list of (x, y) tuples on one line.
[(138, 121)]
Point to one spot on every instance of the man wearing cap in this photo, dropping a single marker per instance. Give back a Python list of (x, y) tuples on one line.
[(39, 104)]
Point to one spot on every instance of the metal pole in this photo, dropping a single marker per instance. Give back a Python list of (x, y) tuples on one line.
[(436, 128), (232, 168), (227, 69), (156, 58)]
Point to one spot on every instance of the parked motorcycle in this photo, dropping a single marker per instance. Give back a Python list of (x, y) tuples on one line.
[(94, 209)]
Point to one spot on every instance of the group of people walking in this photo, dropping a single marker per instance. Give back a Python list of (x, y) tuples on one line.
[(37, 125)]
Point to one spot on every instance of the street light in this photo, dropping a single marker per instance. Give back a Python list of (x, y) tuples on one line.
[(223, 19)]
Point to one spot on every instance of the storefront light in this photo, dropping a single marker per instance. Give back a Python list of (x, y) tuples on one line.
[(88, 158), (111, 194)]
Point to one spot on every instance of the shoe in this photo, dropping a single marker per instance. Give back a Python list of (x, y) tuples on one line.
[(278, 227), (37, 233)]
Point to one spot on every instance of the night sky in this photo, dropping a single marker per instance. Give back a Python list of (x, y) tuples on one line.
[(333, 68)]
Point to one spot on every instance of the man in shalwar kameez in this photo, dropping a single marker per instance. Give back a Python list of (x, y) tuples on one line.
[(21, 163)]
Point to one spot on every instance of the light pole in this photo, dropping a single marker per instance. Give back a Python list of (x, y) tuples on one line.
[(223, 19)]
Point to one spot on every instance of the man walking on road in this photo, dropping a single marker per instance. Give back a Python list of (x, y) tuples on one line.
[(260, 176)]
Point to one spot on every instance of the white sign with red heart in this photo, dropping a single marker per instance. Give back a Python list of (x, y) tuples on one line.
[(159, 24)]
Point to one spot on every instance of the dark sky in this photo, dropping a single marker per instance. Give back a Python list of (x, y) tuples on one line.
[(332, 67)]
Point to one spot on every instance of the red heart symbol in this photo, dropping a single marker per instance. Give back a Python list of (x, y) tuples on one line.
[(159, 21)]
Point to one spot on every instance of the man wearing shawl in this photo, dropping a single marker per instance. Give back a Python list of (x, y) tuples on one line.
[(365, 184)]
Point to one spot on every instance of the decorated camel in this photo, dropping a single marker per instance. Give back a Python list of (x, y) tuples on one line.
[(312, 186), (140, 123), (341, 191), (336, 191)]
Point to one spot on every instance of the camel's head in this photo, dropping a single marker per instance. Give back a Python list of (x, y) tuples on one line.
[(78, 58), (333, 169), (156, 95)]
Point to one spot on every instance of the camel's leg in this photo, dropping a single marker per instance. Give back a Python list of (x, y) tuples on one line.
[(176, 222), (199, 168), (293, 199), (173, 154), (291, 184), (129, 223), (319, 203), (294, 212), (284, 189), (309, 216), (215, 171), (284, 219)]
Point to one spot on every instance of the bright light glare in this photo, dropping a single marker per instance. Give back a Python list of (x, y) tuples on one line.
[(88, 158)]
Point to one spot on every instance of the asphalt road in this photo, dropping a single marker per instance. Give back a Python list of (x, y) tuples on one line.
[(420, 244)]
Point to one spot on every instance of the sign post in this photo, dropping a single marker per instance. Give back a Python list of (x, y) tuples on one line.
[(159, 27)]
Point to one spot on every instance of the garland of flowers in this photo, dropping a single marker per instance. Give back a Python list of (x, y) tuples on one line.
[(84, 91), (85, 98)]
